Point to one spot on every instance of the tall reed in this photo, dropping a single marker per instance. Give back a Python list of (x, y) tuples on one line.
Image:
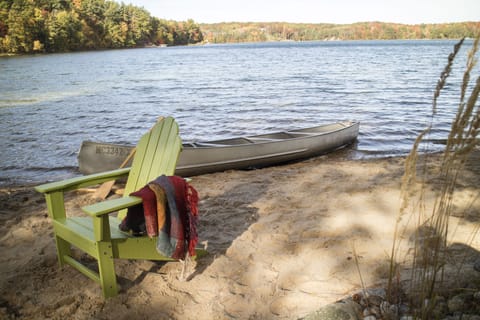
[(432, 229)]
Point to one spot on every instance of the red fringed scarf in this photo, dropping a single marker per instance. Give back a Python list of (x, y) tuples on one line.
[(186, 198), (170, 210)]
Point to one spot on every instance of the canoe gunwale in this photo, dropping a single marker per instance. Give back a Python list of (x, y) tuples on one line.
[(261, 139), (273, 155)]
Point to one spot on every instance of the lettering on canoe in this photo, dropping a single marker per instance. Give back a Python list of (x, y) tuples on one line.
[(112, 151)]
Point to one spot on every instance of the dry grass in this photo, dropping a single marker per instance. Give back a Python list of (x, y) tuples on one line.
[(432, 228)]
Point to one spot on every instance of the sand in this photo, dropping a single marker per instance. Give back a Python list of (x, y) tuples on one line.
[(280, 244)]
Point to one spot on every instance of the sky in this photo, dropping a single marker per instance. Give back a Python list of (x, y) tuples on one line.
[(314, 11)]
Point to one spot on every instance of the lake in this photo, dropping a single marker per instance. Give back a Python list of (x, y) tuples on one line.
[(49, 104)]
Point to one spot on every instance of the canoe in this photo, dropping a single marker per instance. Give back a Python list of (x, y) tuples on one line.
[(236, 153)]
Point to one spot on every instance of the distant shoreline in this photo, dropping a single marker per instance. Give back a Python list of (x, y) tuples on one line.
[(227, 32), (205, 43)]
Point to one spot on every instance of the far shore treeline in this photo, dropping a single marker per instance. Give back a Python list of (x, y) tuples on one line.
[(31, 26), (28, 26), (277, 31)]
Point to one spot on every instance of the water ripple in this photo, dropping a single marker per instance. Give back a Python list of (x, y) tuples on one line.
[(50, 104)]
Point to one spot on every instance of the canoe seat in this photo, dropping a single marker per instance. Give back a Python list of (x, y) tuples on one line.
[(254, 139), (207, 144), (303, 133)]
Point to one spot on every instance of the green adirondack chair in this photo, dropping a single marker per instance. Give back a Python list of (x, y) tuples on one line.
[(98, 233)]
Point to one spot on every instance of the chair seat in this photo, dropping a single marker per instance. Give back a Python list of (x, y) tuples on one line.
[(87, 224), (124, 245)]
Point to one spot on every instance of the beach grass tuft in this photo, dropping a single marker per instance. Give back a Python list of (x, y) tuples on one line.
[(427, 258)]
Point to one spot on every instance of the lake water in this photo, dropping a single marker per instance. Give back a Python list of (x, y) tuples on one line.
[(49, 104)]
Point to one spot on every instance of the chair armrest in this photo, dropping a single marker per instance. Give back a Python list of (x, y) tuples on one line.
[(108, 206), (83, 181)]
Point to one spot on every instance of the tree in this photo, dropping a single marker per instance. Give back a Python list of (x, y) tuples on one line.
[(4, 11), (194, 33), (139, 27), (21, 27), (115, 37), (64, 31), (91, 12)]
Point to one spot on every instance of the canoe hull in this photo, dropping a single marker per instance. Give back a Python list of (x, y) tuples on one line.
[(238, 153)]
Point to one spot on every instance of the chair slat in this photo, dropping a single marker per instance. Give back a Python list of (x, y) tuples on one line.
[(157, 153)]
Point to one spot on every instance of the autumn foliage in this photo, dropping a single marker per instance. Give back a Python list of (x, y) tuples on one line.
[(28, 26)]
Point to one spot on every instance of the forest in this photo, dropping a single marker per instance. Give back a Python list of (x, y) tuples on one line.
[(29, 26), (253, 32), (44, 26)]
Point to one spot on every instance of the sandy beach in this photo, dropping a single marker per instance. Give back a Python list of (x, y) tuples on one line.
[(279, 241)]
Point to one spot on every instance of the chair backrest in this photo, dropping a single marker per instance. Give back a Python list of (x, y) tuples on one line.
[(156, 154)]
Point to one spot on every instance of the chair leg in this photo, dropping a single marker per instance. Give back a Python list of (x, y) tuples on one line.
[(106, 268), (63, 249)]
